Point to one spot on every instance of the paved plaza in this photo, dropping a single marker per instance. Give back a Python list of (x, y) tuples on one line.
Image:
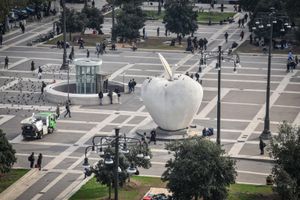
[(242, 113)]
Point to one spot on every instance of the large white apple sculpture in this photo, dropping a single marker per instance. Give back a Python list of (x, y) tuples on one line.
[(172, 101)]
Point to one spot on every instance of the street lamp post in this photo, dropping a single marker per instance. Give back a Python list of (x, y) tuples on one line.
[(113, 37), (266, 133), (219, 55), (115, 141), (219, 98), (116, 176), (65, 64)]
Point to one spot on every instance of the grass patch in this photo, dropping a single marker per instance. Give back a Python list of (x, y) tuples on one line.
[(139, 185), (134, 190), (251, 192), (160, 43), (246, 47), (215, 17), (9, 178), (89, 39)]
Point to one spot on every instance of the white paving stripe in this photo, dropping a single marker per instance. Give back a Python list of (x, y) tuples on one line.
[(236, 148), (5, 118)]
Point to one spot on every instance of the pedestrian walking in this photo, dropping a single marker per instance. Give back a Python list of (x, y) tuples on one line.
[(31, 159), (246, 17), (100, 95), (153, 136), (39, 161), (197, 76), (40, 72), (226, 37), (93, 4), (32, 66), (133, 85), (239, 22), (205, 43), (144, 32), (6, 61), (57, 111), (43, 87), (243, 23), (144, 138), (262, 145), (251, 38), (242, 35), (71, 57), (130, 86), (68, 112), (110, 95), (117, 91), (87, 53), (157, 31)]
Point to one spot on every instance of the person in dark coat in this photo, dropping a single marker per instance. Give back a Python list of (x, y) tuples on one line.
[(57, 111), (100, 95), (262, 145), (110, 95), (31, 159), (32, 66), (68, 109), (153, 136), (6, 60), (226, 37), (39, 161)]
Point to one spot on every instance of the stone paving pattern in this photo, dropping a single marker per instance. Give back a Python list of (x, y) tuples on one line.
[(242, 114)]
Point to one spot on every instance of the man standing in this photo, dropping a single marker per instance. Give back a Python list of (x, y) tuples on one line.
[(42, 88), (262, 145), (6, 60), (39, 161), (133, 85), (68, 109), (100, 95), (32, 66), (31, 159), (87, 53), (157, 31), (226, 37), (110, 95), (242, 35), (57, 111), (153, 136), (197, 77)]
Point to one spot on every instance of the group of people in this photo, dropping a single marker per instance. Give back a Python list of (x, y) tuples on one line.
[(196, 75), (110, 95), (194, 44), (38, 164), (152, 137), (100, 48), (131, 85)]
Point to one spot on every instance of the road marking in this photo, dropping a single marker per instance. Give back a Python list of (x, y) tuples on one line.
[(236, 148), (5, 118), (8, 85)]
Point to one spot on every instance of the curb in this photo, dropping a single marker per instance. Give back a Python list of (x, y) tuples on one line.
[(21, 185)]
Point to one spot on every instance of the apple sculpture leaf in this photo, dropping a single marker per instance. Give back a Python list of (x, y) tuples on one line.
[(173, 101)]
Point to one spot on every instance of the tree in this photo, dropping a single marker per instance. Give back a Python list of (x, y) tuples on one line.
[(130, 20), (199, 169), (104, 173), (285, 149), (75, 22), (180, 17), (94, 18), (7, 154)]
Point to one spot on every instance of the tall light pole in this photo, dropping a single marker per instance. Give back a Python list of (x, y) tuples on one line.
[(116, 175), (219, 55), (266, 134), (65, 64), (113, 36), (219, 97)]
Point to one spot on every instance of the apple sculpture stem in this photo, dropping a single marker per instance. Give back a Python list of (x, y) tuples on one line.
[(172, 101)]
